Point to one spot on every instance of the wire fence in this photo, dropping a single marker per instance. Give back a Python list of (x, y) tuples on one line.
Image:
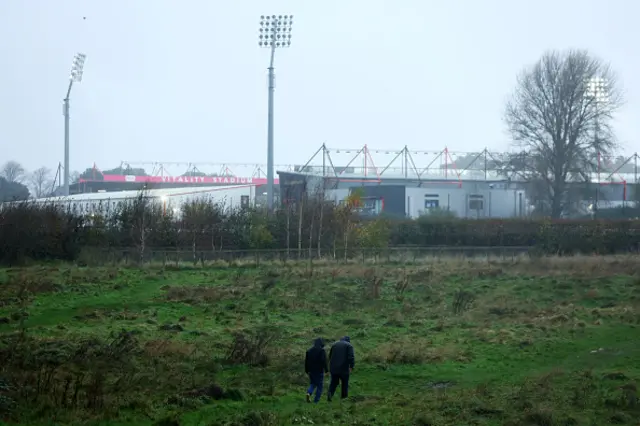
[(180, 256)]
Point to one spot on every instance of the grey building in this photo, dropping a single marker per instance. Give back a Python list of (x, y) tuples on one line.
[(409, 198), (413, 183)]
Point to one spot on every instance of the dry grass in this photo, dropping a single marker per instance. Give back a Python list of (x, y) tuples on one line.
[(201, 294), (163, 347), (407, 350)]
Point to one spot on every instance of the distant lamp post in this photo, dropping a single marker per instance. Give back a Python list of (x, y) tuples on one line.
[(598, 92), (77, 69), (275, 32)]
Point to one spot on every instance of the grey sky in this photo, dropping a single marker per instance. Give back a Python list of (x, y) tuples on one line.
[(169, 80)]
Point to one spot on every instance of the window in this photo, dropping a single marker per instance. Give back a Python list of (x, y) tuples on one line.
[(431, 201), (370, 206), (476, 202), (431, 204), (244, 201)]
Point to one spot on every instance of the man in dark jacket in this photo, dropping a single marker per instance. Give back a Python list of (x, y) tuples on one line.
[(341, 360), (315, 365)]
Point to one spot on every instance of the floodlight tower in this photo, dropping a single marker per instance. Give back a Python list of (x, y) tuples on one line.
[(275, 32), (598, 91), (75, 77)]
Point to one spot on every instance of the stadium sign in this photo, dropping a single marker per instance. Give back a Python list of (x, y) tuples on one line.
[(213, 180)]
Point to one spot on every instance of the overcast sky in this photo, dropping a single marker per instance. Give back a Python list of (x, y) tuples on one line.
[(169, 80)]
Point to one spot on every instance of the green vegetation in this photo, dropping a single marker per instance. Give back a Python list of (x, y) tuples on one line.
[(310, 229), (550, 341)]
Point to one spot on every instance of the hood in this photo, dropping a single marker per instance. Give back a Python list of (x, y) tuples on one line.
[(346, 339), (318, 343)]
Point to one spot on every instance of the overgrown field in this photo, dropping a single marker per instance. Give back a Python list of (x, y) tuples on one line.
[(550, 341)]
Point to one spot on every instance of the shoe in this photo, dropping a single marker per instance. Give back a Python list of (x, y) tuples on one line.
[(308, 397)]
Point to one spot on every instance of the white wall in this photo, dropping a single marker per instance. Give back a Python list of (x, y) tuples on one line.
[(105, 203), (495, 202), (230, 198)]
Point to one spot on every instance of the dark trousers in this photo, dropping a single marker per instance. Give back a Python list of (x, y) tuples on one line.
[(343, 379), (316, 382)]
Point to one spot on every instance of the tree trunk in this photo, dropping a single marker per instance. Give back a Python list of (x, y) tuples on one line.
[(213, 239), (288, 233), (300, 228), (142, 244), (557, 198), (311, 232), (346, 239), (193, 248), (320, 226)]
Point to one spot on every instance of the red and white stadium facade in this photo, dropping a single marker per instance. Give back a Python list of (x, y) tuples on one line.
[(197, 180)]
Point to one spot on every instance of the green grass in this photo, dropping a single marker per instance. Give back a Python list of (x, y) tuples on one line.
[(540, 342)]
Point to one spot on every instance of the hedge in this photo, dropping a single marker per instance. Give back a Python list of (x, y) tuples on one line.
[(30, 231)]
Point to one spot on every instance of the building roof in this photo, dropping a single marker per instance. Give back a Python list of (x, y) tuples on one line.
[(152, 193)]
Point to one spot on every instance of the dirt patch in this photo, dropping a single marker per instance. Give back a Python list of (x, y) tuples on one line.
[(194, 295), (416, 351), (171, 327), (26, 285), (155, 348)]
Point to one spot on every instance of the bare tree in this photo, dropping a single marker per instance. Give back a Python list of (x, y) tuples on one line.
[(560, 128), (41, 182), (13, 171), (74, 177)]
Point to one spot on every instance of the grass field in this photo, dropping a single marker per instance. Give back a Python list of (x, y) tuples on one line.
[(525, 342)]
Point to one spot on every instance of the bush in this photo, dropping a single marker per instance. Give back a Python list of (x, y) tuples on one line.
[(31, 231)]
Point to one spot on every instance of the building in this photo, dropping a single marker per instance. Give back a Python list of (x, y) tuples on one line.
[(166, 175), (408, 198), (415, 183), (104, 203)]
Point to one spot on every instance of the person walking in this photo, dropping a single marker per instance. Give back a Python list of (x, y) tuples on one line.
[(341, 363), (315, 365)]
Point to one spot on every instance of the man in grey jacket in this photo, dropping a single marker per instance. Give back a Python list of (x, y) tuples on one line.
[(341, 362)]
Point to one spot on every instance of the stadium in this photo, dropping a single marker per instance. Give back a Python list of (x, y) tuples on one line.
[(397, 182), (171, 199), (411, 183)]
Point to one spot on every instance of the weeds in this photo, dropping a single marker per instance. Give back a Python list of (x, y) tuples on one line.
[(489, 353), (462, 301), (251, 347)]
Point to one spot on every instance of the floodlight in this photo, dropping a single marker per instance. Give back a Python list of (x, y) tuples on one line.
[(275, 31), (77, 67), (597, 89)]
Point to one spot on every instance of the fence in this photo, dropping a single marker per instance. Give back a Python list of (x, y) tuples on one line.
[(179, 256)]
